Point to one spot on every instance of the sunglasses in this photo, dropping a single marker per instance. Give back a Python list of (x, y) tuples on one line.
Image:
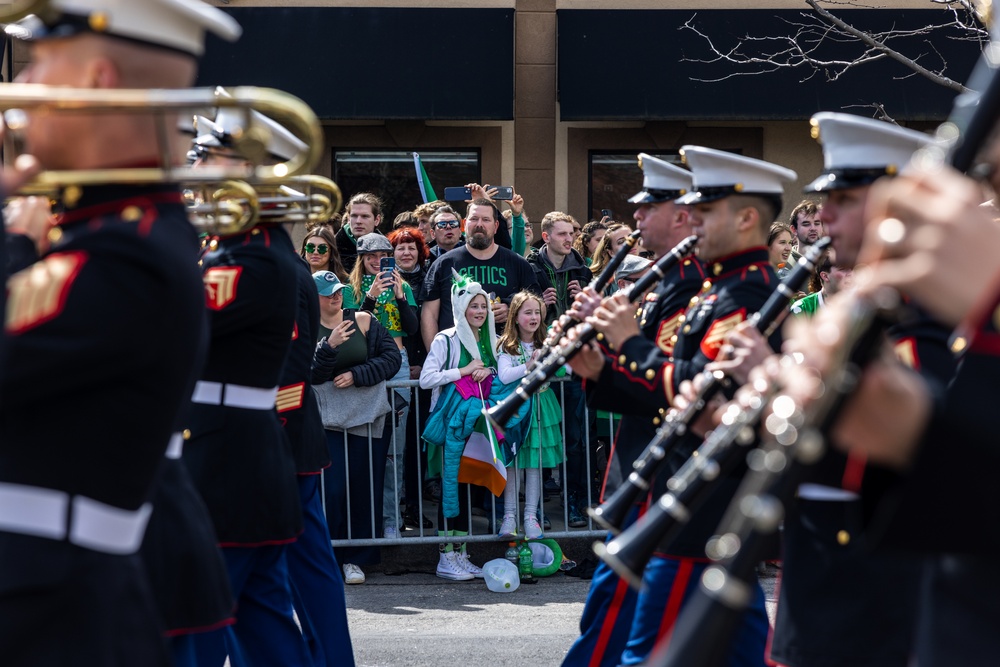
[(446, 224), (322, 248)]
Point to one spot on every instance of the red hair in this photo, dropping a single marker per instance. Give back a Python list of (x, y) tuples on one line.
[(410, 235)]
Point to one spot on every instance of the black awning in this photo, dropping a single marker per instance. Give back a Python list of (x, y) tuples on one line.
[(374, 63), (629, 64)]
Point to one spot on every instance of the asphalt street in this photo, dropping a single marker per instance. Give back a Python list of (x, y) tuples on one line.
[(418, 619)]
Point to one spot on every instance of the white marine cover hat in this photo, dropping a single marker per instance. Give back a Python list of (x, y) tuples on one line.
[(719, 174), (661, 181), (857, 150), (179, 25), (229, 121)]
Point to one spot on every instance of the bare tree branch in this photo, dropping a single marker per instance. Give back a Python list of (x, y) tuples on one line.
[(803, 45)]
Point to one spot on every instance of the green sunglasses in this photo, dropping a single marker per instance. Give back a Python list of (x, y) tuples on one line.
[(322, 248)]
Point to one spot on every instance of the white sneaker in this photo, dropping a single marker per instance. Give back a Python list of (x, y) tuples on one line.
[(464, 562), (353, 574), (531, 528), (509, 526), (449, 568), (390, 532)]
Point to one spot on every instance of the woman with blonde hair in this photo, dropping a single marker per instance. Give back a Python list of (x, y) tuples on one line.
[(613, 239)]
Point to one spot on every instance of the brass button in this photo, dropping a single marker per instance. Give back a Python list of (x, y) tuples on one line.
[(98, 21), (54, 235), (738, 187), (71, 195), (686, 329), (958, 344), (681, 319), (621, 360), (843, 537), (131, 214), (650, 374), (687, 262), (673, 339), (255, 231), (753, 267), (633, 367), (600, 336), (186, 434), (642, 323), (717, 268), (707, 284), (656, 421), (694, 301), (213, 244)]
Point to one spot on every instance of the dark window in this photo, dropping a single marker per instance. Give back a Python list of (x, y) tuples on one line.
[(391, 175), (614, 177)]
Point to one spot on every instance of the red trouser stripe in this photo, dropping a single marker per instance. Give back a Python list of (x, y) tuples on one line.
[(673, 607), (609, 623)]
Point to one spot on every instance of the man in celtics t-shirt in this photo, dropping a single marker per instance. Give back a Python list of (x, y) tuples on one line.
[(500, 271), (830, 278)]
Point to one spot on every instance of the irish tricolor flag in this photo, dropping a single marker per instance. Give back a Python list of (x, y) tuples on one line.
[(426, 191), (480, 463)]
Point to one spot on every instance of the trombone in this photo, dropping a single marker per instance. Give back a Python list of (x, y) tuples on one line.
[(251, 141)]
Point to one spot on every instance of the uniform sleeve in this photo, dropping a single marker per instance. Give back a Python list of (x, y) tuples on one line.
[(21, 252), (436, 371)]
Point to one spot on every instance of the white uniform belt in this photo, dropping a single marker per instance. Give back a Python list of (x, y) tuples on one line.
[(820, 492), (56, 515), (234, 395), (176, 446)]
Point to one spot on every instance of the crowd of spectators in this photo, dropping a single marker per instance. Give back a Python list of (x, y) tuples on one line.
[(433, 245)]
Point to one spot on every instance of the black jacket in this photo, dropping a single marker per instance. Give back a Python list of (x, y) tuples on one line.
[(383, 360), (547, 275)]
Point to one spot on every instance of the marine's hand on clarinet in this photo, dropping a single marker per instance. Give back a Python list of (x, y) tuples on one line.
[(688, 393), (589, 361), (929, 236), (887, 388), (585, 303), (615, 318), (30, 216)]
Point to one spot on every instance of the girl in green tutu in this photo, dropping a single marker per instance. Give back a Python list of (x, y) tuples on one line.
[(541, 446)]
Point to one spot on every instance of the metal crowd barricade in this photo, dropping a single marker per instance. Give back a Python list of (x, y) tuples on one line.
[(482, 529)]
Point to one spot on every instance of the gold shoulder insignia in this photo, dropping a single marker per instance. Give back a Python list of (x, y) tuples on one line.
[(712, 342), (668, 327), (220, 286), (38, 293)]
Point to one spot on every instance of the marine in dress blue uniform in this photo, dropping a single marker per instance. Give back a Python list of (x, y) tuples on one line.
[(842, 600), (112, 317), (239, 453), (106, 334), (734, 199), (609, 609), (317, 584)]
